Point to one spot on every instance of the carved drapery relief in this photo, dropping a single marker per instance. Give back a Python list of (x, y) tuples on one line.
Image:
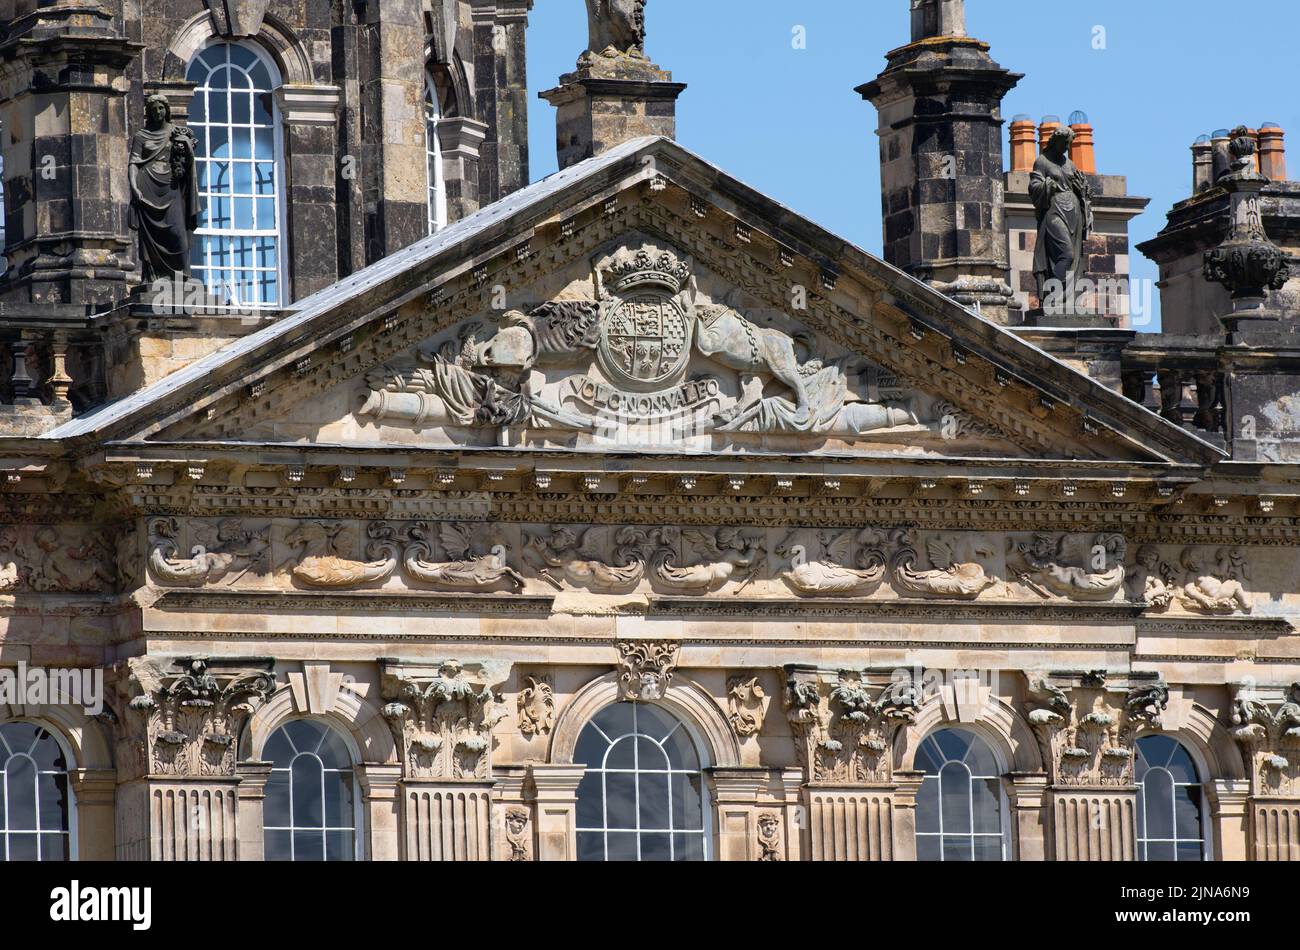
[(1086, 724), (844, 723), (443, 715), (183, 717), (55, 559), (652, 359), (646, 668), (747, 704), (536, 706), (1266, 722), (1204, 580)]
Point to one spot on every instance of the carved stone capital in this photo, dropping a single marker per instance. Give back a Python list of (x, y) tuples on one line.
[(844, 723), (442, 715), (183, 716), (1266, 722), (1087, 723)]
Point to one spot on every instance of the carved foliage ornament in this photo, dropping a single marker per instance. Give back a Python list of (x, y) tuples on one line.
[(1086, 727), (646, 669), (747, 704), (443, 717), (844, 724), (536, 706), (184, 717), (1267, 724)]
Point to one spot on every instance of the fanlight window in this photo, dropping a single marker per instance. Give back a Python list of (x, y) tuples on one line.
[(642, 797), (1169, 810), (33, 795), (433, 149), (959, 807), (309, 813), (237, 249)]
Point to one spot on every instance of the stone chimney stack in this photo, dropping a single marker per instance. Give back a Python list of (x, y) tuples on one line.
[(940, 128), (616, 93)]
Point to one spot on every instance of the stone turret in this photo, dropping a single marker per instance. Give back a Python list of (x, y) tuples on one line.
[(940, 104)]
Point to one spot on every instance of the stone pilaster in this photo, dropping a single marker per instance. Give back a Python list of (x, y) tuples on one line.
[(851, 824), (940, 128), (94, 791), (394, 165), (1031, 820), (1229, 818), (501, 75), (460, 141), (1087, 726), (63, 108), (1094, 824), (757, 816), (253, 777), (555, 799), (310, 116)]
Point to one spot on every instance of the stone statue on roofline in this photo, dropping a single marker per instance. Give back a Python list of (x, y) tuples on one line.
[(165, 203), (1062, 201), (616, 28)]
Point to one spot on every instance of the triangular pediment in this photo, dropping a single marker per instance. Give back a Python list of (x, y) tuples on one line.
[(642, 301)]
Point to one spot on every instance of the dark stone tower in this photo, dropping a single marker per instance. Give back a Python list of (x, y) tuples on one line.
[(940, 131)]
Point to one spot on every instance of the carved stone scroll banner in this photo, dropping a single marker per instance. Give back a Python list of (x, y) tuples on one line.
[(443, 715), (646, 669)]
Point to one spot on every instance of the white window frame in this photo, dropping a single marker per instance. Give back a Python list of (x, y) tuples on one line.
[(279, 233), (358, 824), (1142, 841), (69, 763), (705, 832), (1004, 826), (436, 197)]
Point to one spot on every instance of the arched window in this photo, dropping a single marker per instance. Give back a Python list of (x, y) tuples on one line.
[(33, 795), (433, 148), (1169, 802), (642, 797), (959, 807), (309, 813), (237, 250)]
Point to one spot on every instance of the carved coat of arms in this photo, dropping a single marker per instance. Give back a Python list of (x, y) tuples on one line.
[(645, 338)]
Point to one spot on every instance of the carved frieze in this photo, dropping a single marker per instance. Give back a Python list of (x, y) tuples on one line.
[(725, 554), (1206, 580), (1079, 567), (218, 551), (443, 715), (1087, 723), (55, 559), (646, 668), (844, 723), (588, 559), (833, 570)]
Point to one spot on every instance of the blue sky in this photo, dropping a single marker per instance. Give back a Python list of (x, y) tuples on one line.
[(787, 121)]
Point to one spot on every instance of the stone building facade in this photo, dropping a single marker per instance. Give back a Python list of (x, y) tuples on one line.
[(628, 514)]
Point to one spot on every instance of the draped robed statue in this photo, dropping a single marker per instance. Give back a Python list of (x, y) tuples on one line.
[(165, 203), (1062, 201)]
